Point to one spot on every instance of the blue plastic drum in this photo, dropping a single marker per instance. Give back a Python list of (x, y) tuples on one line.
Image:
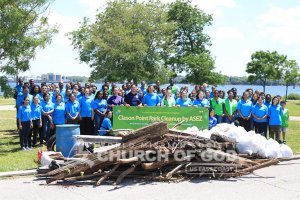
[(65, 140)]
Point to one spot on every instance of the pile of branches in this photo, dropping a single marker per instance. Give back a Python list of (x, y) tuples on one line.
[(155, 152)]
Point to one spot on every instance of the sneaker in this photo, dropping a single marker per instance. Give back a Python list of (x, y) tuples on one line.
[(23, 149), (284, 142), (280, 142)]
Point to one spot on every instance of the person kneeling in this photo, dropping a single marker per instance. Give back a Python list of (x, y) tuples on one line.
[(106, 126)]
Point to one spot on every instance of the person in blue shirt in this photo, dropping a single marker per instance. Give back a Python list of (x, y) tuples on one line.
[(22, 95), (66, 95), (106, 126), (56, 92), (59, 113), (143, 88), (86, 113), (47, 110), (44, 90), (183, 101), (18, 88), (36, 115), (99, 106), (25, 124), (201, 101), (275, 112), (260, 117), (35, 90), (151, 98), (267, 100), (244, 108), (72, 110), (212, 120), (133, 98)]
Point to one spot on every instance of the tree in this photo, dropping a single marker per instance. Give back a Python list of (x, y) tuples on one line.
[(290, 71), (23, 28), (265, 65), (190, 53), (126, 42)]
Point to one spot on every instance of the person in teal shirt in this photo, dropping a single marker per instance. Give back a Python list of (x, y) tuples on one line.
[(25, 124), (183, 101), (22, 95), (99, 106), (244, 108), (72, 110), (260, 117), (36, 115), (151, 98), (59, 112), (275, 122), (106, 126), (47, 110), (86, 113), (200, 101)]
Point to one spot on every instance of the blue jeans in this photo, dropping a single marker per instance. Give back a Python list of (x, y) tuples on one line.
[(228, 121), (24, 134), (46, 126), (98, 121), (219, 119)]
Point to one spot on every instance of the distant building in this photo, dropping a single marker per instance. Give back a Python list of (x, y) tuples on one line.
[(51, 77)]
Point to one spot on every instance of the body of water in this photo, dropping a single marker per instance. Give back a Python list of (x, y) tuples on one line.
[(273, 90)]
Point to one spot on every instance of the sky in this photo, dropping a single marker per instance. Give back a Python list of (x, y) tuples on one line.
[(239, 28)]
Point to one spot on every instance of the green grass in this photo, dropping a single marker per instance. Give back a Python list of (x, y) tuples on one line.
[(294, 107), (293, 136), (4, 102), (11, 158)]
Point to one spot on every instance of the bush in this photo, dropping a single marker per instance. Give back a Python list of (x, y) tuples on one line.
[(294, 96)]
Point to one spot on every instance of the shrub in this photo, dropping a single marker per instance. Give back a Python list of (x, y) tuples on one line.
[(294, 96)]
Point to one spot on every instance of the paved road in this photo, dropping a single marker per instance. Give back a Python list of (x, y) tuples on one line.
[(276, 182)]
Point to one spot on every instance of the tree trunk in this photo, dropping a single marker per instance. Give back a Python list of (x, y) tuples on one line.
[(286, 92)]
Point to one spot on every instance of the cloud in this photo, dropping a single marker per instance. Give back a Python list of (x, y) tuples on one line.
[(214, 7), (66, 24), (281, 25), (227, 33), (93, 6)]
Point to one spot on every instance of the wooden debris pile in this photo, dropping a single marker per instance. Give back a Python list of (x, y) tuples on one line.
[(155, 152)]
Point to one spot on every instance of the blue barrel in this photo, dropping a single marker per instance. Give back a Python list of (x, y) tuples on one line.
[(65, 140)]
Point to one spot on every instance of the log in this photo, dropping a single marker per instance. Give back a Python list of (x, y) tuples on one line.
[(156, 165), (259, 166), (126, 172), (170, 174), (107, 175)]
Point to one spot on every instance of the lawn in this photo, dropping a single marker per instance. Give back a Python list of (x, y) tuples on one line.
[(294, 107), (11, 158), (4, 102)]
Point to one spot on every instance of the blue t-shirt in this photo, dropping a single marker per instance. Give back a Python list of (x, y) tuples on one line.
[(36, 111), (59, 113), (133, 99), (151, 99), (85, 106), (144, 90), (212, 122), (267, 103), (245, 107), (100, 105), (73, 108), (21, 97), (24, 113), (106, 125), (19, 89), (275, 113), (183, 103), (201, 103), (46, 107), (260, 111)]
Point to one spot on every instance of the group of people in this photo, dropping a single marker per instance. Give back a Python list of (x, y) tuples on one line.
[(41, 107)]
